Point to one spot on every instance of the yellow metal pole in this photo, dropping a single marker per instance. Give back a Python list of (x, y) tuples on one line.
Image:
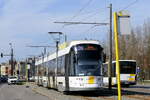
[(117, 54)]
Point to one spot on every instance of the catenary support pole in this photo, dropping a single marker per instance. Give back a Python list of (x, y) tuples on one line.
[(110, 51)]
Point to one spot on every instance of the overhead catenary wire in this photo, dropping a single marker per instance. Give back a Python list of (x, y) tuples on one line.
[(97, 25), (79, 13), (91, 13), (76, 14), (41, 46), (89, 16), (129, 5), (70, 23), (90, 28), (89, 1), (92, 32)]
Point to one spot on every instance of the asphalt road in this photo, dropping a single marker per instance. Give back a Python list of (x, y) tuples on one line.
[(19, 92)]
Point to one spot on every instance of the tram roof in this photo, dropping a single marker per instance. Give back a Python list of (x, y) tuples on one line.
[(65, 49)]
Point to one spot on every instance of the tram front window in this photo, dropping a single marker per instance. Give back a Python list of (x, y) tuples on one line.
[(88, 70), (88, 63), (88, 60), (128, 67)]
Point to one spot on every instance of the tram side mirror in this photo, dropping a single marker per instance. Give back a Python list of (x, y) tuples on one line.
[(104, 58)]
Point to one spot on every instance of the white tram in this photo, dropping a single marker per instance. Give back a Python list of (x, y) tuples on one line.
[(79, 67), (127, 72)]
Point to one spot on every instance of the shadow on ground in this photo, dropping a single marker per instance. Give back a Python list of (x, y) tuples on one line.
[(142, 87), (113, 92)]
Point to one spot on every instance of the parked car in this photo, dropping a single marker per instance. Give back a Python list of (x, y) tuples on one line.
[(3, 79), (12, 80), (31, 79)]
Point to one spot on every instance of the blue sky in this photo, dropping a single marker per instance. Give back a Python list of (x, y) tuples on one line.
[(26, 22)]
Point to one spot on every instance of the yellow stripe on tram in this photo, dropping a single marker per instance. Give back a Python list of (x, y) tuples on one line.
[(91, 79), (132, 74), (131, 79)]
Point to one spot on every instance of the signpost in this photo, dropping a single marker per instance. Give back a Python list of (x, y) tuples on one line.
[(124, 25), (121, 26)]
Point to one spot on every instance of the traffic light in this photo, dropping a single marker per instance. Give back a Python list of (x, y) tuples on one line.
[(2, 55)]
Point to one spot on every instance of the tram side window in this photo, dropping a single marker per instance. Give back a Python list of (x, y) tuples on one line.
[(45, 69), (61, 66), (114, 70), (46, 65), (35, 71), (39, 70), (105, 70), (52, 67), (72, 64), (49, 66)]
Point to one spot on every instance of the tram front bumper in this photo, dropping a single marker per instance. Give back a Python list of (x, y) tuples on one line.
[(86, 87)]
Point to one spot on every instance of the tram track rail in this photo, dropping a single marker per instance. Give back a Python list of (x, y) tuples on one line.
[(132, 93)]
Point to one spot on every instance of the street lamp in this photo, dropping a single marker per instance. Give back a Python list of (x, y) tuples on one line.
[(55, 32), (57, 42), (60, 33)]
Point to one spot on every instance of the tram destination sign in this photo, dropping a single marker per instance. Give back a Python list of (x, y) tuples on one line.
[(87, 47)]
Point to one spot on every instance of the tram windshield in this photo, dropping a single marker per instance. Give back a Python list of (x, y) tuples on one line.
[(88, 70), (88, 60), (127, 67)]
